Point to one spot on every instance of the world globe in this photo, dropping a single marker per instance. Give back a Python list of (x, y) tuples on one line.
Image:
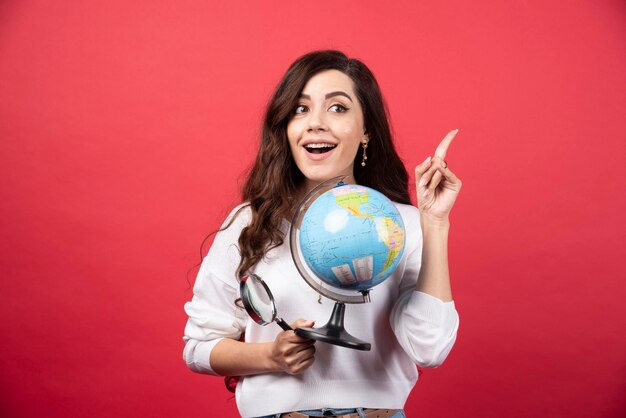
[(352, 237)]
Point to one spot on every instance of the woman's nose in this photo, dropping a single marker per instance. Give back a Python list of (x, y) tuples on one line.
[(316, 121)]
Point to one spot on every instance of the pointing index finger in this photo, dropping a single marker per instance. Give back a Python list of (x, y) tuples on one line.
[(445, 143)]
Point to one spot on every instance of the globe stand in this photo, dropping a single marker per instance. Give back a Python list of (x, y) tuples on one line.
[(334, 332)]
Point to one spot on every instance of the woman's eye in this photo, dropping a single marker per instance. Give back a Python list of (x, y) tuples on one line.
[(338, 108), (300, 109)]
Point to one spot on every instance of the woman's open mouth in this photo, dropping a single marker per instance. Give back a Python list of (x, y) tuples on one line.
[(319, 148)]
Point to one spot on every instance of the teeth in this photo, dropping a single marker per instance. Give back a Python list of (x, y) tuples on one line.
[(320, 146)]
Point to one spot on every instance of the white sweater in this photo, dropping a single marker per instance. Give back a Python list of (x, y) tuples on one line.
[(405, 328)]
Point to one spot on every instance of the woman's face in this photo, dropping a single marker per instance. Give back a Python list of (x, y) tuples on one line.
[(327, 128)]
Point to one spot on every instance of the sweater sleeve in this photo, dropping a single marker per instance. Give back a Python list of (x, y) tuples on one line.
[(425, 326), (212, 312)]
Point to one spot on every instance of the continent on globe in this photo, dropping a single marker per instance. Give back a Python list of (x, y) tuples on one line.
[(352, 237)]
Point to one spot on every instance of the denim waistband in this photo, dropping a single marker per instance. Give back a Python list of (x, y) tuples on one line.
[(334, 411)]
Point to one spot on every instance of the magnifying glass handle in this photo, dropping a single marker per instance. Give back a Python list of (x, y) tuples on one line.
[(283, 324)]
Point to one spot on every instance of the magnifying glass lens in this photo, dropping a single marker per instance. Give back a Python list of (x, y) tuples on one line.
[(260, 300)]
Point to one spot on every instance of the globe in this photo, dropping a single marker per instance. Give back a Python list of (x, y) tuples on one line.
[(352, 237)]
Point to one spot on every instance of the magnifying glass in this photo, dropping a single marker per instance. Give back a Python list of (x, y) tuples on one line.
[(259, 302)]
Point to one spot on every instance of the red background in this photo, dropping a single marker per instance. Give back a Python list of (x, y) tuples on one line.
[(126, 129)]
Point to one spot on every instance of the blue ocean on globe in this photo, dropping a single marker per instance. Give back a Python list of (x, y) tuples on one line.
[(352, 237)]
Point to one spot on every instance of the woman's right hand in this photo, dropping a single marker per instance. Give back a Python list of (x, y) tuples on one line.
[(291, 353)]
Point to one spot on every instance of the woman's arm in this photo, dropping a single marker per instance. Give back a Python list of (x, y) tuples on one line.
[(288, 353), (425, 321), (434, 276), (437, 190), (215, 325), (215, 322), (424, 318)]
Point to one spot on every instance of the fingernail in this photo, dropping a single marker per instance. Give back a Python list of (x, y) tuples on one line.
[(422, 182), (426, 192), (426, 161)]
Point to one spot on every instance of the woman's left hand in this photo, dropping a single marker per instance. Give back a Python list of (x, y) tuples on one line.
[(437, 186)]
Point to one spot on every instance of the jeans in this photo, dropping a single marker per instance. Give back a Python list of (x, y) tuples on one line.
[(333, 411)]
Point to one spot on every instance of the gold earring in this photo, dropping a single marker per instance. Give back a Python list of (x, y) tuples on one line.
[(364, 145)]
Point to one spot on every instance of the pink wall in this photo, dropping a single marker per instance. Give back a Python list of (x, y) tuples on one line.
[(125, 128)]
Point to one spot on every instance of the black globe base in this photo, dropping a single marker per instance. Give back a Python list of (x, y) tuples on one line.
[(334, 332)]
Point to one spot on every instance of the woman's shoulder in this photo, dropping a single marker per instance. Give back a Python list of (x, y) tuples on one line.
[(224, 244), (238, 218), (240, 214)]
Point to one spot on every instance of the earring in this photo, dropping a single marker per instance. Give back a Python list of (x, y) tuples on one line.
[(364, 145)]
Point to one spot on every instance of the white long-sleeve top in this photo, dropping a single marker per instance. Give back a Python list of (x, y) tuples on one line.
[(404, 326)]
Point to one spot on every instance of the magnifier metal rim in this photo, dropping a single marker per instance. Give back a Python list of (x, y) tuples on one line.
[(246, 303)]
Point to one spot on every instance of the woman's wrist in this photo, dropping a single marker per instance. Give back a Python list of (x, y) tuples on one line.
[(434, 276), (271, 361), (430, 222)]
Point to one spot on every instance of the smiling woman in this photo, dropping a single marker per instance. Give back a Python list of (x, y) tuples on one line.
[(327, 128), (326, 119)]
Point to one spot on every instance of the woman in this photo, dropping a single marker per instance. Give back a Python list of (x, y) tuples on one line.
[(326, 119)]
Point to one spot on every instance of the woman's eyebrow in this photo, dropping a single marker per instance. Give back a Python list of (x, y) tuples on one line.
[(338, 93), (329, 95)]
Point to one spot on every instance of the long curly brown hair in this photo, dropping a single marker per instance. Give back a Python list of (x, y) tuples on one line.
[(272, 186)]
